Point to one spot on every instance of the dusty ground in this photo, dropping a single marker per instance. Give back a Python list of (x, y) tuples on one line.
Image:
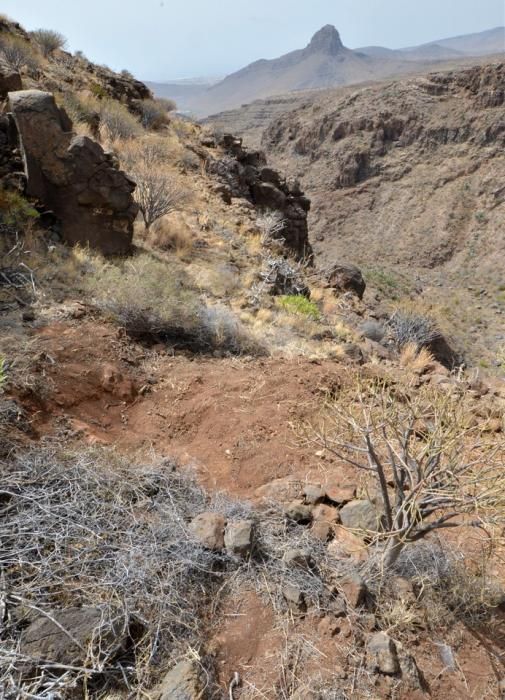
[(234, 421)]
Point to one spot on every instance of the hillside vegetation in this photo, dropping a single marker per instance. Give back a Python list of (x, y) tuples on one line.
[(225, 472)]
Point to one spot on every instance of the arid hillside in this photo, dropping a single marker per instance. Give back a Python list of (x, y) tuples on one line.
[(230, 470), (407, 178)]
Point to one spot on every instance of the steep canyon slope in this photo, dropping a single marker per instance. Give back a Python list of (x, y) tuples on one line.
[(407, 176)]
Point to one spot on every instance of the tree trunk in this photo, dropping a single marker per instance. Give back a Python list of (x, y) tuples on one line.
[(393, 550)]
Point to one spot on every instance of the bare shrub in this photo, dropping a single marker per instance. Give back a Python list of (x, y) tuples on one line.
[(48, 40), (152, 301), (270, 224), (429, 464), (16, 53), (159, 191), (408, 327), (87, 529), (153, 114), (116, 122)]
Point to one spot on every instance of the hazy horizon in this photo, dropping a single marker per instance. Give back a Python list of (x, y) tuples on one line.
[(161, 40)]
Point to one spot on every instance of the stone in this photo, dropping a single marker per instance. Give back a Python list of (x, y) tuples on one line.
[(299, 512), (381, 654), (293, 596), (239, 537), (402, 589), (312, 494), (324, 513), (113, 382), (300, 558), (10, 81), (345, 278), (321, 530), (340, 494), (73, 176), (208, 528), (354, 590), (360, 515), (66, 638), (186, 681), (346, 542)]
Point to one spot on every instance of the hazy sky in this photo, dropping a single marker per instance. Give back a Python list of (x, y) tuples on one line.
[(166, 39)]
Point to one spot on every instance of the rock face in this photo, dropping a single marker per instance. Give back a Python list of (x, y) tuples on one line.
[(73, 176), (245, 174)]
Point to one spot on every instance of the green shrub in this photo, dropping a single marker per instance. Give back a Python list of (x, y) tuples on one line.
[(298, 304), (15, 210), (98, 91)]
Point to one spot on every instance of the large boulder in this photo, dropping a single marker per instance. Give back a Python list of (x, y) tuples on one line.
[(345, 278), (73, 176)]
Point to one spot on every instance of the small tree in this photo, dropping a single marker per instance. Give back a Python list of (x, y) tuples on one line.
[(48, 41), (159, 192), (432, 468)]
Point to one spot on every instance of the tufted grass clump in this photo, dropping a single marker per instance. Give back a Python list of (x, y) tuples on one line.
[(298, 304)]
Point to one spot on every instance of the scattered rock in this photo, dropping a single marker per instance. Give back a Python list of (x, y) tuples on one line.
[(360, 515), (208, 528), (339, 494), (239, 537), (345, 278), (66, 638), (313, 494), (349, 543), (186, 681), (382, 654), (10, 81), (300, 558), (299, 512), (324, 513), (73, 176), (294, 597), (113, 381), (354, 352), (354, 590)]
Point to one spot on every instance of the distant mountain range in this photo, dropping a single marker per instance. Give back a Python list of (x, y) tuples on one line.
[(324, 63)]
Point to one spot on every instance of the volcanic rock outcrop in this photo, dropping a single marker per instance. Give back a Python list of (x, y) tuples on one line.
[(245, 174), (73, 176)]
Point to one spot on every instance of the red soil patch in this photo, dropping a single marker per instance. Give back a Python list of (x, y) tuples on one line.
[(234, 420)]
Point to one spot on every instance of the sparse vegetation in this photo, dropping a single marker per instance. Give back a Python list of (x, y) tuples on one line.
[(413, 328), (48, 41), (116, 122), (270, 224), (159, 191), (17, 53), (298, 304), (412, 448), (152, 301), (153, 114)]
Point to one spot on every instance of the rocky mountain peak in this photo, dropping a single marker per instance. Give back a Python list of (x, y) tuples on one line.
[(326, 40)]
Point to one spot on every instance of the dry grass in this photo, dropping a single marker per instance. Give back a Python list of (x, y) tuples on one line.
[(171, 234), (415, 359)]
